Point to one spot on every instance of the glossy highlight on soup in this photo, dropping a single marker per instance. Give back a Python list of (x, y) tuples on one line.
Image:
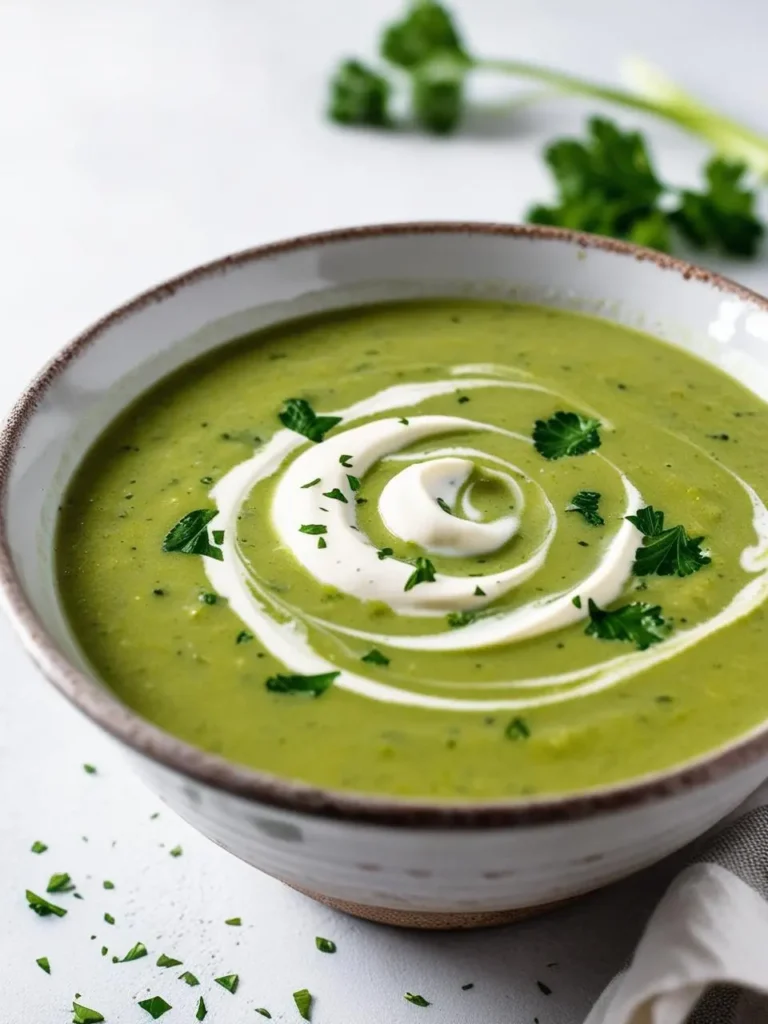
[(448, 549)]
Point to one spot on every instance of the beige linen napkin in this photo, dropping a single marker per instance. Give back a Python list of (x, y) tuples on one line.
[(703, 957)]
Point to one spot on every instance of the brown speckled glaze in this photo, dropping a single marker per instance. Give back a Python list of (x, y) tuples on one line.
[(106, 711)]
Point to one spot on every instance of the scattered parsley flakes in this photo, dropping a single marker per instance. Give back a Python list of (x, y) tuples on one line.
[(38, 847), (44, 964), (669, 552), (313, 529), (60, 883), (42, 907), (229, 982), (90, 769), (107, 884), (517, 729), (176, 851), (345, 460), (299, 416), (586, 503), (104, 950), (321, 543), (479, 592), (311, 483), (207, 597), (375, 657), (325, 945), (109, 919), (202, 1011), (566, 434), (189, 977), (135, 953), (403, 420), (576, 601), (354, 483), (167, 961), (303, 1000), (155, 1006), (383, 553), (444, 505), (417, 1000), (458, 619), (84, 1015), (207, 480), (314, 685), (190, 535), (263, 1012), (423, 573), (638, 623), (243, 637), (234, 921), (336, 494), (218, 536)]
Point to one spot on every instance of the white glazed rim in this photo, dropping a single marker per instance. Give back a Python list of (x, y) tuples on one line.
[(109, 713)]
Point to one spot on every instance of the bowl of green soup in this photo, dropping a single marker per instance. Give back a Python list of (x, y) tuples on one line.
[(423, 567)]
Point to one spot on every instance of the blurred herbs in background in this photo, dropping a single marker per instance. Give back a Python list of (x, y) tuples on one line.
[(606, 183)]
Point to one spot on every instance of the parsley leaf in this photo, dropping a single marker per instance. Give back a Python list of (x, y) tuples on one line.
[(383, 553), (458, 619), (38, 847), (423, 573), (354, 483), (189, 977), (426, 30), (722, 217), (107, 884), (586, 502), (190, 535), (375, 657), (345, 460), (299, 416), (84, 1015), (60, 883), (89, 769), (417, 1000), (42, 907), (313, 528), (565, 433), (359, 96), (638, 623), (325, 945), (669, 552), (229, 982), (234, 921), (337, 494), (517, 729), (314, 685), (44, 964), (155, 1006), (167, 961), (109, 919), (303, 1000), (202, 1011), (136, 952)]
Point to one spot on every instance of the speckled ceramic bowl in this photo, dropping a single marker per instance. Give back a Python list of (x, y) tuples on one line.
[(405, 862)]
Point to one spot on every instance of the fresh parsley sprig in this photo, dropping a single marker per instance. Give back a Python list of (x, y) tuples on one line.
[(638, 623), (298, 415), (190, 535), (566, 434), (665, 552)]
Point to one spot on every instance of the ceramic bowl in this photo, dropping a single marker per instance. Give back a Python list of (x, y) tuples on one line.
[(404, 862)]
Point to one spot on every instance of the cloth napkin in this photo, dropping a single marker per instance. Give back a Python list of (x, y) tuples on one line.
[(703, 957)]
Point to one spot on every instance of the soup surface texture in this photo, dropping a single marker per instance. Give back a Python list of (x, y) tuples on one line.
[(387, 550)]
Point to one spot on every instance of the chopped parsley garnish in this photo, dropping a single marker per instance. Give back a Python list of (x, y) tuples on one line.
[(190, 535), (84, 1015), (263, 1012), (638, 623), (107, 884), (104, 950), (218, 536), (229, 982), (383, 553), (375, 657), (235, 921), (311, 483), (517, 729), (576, 601), (403, 420), (167, 961), (669, 552), (314, 685), (189, 977), (336, 494), (109, 919), (354, 483), (89, 769), (566, 433), (135, 953), (208, 598), (207, 480), (321, 542), (313, 529), (243, 637), (423, 573), (299, 416), (586, 503), (155, 1006), (303, 1000), (42, 907), (458, 619), (44, 964), (202, 1011), (38, 847), (325, 945), (417, 1000), (176, 851), (345, 460), (444, 506), (479, 592), (60, 883)]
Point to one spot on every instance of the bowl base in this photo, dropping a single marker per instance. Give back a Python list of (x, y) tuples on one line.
[(429, 920)]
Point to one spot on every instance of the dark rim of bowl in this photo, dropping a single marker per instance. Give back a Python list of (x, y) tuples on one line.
[(104, 708)]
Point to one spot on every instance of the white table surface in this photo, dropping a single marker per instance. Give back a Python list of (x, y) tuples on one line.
[(140, 138)]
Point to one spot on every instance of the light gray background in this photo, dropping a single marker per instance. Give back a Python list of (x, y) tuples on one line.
[(139, 138)]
